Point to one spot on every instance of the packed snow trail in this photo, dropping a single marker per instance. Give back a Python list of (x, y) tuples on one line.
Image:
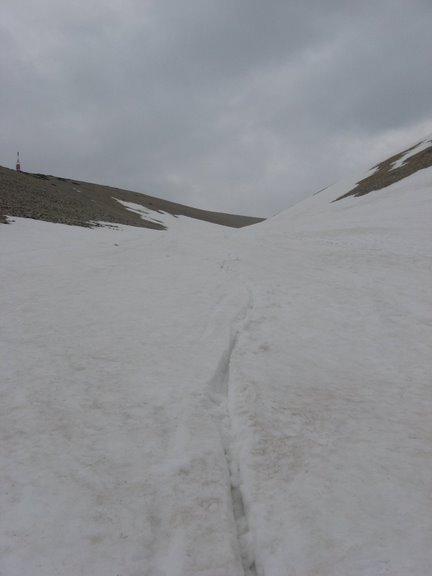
[(212, 402), (219, 394)]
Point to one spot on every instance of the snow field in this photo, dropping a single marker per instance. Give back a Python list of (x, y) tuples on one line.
[(216, 402), (111, 461), (331, 384)]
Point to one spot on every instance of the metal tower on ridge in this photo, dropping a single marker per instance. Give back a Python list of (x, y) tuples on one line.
[(18, 163)]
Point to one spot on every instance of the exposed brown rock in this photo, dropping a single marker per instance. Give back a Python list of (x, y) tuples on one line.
[(385, 175), (55, 199)]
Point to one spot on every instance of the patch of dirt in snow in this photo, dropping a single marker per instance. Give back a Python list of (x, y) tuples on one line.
[(392, 170)]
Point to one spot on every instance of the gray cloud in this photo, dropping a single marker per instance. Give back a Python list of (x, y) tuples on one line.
[(243, 106)]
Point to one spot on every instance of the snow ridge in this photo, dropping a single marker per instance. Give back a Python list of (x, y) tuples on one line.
[(219, 393)]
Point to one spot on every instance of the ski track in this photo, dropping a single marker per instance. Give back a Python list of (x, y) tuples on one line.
[(219, 393)]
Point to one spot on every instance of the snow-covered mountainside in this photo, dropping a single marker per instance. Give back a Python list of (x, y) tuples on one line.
[(218, 402)]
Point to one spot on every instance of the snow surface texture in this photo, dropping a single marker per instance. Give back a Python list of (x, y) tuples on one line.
[(216, 402)]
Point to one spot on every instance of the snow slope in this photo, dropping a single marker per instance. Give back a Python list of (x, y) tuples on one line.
[(217, 402), (335, 367)]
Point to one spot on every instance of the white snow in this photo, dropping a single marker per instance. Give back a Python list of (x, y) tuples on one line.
[(217, 402), (423, 145), (151, 215)]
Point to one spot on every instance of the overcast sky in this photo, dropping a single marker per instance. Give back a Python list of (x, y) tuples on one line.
[(235, 105)]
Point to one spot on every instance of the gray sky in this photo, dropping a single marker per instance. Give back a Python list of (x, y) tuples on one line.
[(235, 105)]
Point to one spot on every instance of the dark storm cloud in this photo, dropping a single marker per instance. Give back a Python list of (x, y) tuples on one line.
[(233, 105)]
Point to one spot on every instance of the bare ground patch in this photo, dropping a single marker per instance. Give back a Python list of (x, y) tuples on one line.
[(385, 174)]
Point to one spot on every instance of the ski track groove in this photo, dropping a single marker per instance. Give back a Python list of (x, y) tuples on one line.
[(219, 394)]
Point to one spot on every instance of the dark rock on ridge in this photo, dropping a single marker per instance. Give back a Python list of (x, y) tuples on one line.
[(55, 199)]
